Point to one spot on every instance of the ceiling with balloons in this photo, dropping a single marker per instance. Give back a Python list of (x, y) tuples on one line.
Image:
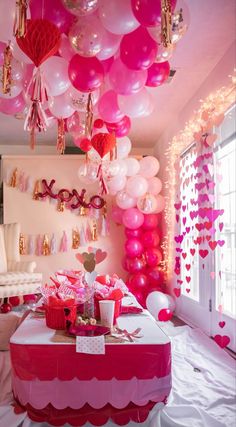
[(71, 69)]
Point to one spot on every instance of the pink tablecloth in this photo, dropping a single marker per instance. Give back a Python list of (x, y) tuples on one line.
[(52, 381)]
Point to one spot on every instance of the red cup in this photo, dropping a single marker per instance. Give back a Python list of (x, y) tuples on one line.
[(56, 317)]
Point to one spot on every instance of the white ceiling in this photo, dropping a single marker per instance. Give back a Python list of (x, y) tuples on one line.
[(210, 34)]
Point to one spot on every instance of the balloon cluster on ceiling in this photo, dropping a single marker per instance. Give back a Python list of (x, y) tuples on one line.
[(72, 60)]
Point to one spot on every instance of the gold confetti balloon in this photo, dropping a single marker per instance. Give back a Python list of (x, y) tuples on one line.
[(80, 7)]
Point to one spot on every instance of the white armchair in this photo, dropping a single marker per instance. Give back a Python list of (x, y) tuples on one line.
[(16, 277)]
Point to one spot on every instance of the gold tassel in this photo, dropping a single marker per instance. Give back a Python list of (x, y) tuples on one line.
[(45, 246), (82, 211), (22, 244), (60, 206), (61, 139), (75, 239), (166, 24), (89, 117), (105, 210), (21, 17), (6, 70), (94, 231), (13, 179), (36, 190)]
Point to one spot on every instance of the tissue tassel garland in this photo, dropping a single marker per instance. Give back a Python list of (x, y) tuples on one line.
[(22, 244), (94, 231), (6, 70), (46, 247), (53, 245), (75, 239), (13, 179), (64, 243), (36, 190), (61, 139)]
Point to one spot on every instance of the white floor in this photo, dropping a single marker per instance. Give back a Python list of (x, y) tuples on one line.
[(203, 393)]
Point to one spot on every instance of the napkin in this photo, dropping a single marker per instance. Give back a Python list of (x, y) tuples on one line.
[(130, 310), (90, 345)]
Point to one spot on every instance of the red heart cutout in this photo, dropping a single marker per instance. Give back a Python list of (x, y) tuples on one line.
[(212, 245), (180, 282), (103, 143), (222, 340), (188, 266), (42, 40), (192, 251), (177, 292), (184, 255), (208, 238), (188, 290), (100, 256), (177, 271), (221, 324), (203, 253), (208, 225), (188, 279), (80, 258)]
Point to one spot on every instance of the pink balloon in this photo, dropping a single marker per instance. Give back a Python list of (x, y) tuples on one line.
[(153, 257), (124, 80), (55, 71), (2, 48), (148, 12), (132, 218), (73, 124), (120, 128), (108, 107), (158, 73), (117, 16), (13, 105), (7, 18), (135, 105), (133, 265), (150, 238), (110, 45), (86, 74), (133, 233), (65, 49), (154, 185), (125, 201), (133, 247), (136, 186), (53, 11), (142, 57), (60, 106), (117, 214), (150, 222)]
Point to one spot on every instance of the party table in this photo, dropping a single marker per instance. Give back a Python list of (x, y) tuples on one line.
[(56, 384)]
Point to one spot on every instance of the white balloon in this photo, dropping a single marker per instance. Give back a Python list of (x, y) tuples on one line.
[(132, 166), (136, 186), (117, 16), (117, 167), (87, 173), (125, 201), (55, 72), (136, 105), (149, 166), (123, 147), (157, 301), (171, 303), (116, 183)]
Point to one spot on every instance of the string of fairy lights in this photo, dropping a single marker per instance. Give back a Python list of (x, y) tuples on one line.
[(202, 121)]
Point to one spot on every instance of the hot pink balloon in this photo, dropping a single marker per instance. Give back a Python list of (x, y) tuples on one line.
[(53, 11), (120, 128), (150, 238), (158, 73), (107, 63), (153, 257), (117, 214), (124, 80), (108, 107), (133, 265), (132, 218), (133, 233), (138, 281), (133, 247), (148, 12), (150, 222), (142, 57), (86, 74), (13, 105)]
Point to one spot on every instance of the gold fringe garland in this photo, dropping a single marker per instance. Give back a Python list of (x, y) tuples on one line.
[(13, 180), (75, 239), (166, 24), (6, 70), (22, 244), (36, 190), (94, 231), (61, 139), (21, 17), (89, 117), (46, 246)]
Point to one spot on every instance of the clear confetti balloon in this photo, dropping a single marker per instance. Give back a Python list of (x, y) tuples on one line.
[(86, 36), (80, 7)]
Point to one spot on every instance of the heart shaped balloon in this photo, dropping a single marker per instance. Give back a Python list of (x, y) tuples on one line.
[(42, 40)]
